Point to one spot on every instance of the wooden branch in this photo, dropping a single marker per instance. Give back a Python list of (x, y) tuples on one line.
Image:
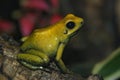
[(11, 69)]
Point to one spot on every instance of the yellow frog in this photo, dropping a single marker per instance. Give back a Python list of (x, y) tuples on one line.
[(46, 44)]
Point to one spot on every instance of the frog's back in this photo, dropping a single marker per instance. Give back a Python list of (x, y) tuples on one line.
[(39, 31)]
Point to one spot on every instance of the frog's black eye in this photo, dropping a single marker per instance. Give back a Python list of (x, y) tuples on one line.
[(70, 25)]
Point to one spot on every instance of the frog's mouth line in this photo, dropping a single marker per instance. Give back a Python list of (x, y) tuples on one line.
[(76, 32)]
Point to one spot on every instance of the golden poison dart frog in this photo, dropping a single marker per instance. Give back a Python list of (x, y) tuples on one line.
[(48, 43)]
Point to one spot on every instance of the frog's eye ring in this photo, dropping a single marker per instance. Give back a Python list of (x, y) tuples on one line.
[(70, 25)]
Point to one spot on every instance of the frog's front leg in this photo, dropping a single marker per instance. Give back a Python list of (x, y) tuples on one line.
[(59, 60), (33, 59)]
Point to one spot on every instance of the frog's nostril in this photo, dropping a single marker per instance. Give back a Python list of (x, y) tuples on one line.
[(82, 23)]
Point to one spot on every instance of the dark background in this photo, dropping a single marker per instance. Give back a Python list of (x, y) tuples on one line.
[(99, 36)]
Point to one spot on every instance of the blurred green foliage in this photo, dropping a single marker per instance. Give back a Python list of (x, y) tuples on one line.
[(110, 67)]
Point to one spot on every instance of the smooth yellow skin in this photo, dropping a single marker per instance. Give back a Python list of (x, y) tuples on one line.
[(46, 44)]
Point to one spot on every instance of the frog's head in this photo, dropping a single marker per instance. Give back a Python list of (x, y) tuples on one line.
[(72, 24)]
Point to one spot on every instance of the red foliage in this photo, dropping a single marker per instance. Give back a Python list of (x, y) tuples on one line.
[(27, 23), (55, 3), (55, 18), (34, 12), (6, 26), (35, 4)]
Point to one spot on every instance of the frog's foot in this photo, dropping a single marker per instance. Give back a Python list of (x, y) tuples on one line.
[(33, 67)]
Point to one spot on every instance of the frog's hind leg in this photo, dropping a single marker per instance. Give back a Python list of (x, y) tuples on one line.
[(30, 61), (33, 59), (43, 56)]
